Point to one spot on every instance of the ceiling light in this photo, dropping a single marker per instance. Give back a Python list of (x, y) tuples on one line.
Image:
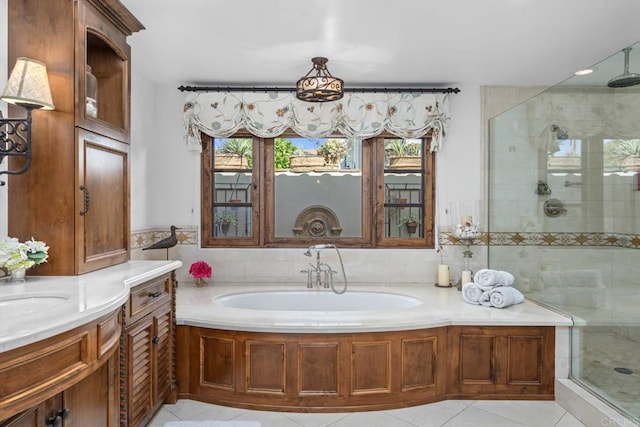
[(321, 87), (583, 72)]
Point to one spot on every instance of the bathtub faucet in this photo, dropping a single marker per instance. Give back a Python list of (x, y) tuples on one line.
[(320, 274)]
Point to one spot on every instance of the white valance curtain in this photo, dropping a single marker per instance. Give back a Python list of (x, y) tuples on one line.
[(357, 115)]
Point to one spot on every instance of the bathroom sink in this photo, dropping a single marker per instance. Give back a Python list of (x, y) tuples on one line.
[(33, 305)]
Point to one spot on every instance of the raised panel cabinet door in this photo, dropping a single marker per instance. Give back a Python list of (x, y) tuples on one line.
[(93, 401), (102, 202)]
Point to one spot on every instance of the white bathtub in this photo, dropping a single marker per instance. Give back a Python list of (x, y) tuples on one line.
[(318, 301)]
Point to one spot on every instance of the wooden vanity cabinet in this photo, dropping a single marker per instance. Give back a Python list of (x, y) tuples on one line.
[(75, 195), (149, 350), (73, 376)]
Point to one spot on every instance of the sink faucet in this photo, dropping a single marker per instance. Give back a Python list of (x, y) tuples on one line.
[(321, 273)]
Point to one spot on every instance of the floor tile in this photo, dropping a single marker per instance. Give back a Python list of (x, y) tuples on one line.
[(568, 420), (530, 413), (191, 410), (163, 416), (370, 419), (474, 417), (433, 414), (315, 420)]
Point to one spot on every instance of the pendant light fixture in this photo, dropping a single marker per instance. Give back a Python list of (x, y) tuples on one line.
[(322, 86)]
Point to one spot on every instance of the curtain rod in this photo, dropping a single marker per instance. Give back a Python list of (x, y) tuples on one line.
[(292, 89)]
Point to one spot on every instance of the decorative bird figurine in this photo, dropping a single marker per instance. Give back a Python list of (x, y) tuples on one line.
[(166, 243)]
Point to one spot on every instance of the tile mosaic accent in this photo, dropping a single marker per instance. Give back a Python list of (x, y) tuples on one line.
[(187, 235), (630, 241)]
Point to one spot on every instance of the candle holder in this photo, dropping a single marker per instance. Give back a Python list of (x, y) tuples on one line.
[(467, 254)]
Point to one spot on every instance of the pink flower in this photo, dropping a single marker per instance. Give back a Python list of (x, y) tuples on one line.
[(200, 270)]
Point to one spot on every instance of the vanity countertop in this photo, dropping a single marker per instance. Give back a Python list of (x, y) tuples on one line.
[(200, 306), (44, 306)]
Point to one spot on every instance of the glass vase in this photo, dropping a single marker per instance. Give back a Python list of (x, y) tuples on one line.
[(200, 282), (18, 275)]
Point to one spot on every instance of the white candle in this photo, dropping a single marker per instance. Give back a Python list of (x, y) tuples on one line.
[(443, 275), (466, 277)]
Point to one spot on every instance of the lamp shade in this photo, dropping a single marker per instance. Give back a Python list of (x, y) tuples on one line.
[(28, 85)]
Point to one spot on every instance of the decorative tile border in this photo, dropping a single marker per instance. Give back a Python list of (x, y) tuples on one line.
[(189, 236), (620, 240), (143, 238)]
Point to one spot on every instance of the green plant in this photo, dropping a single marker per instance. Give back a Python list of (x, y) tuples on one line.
[(332, 150), (225, 218), (625, 148), (402, 148), (408, 219), (283, 150), (241, 147)]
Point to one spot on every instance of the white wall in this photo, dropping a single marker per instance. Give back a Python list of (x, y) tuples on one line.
[(4, 75)]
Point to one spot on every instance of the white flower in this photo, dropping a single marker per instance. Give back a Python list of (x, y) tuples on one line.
[(15, 255)]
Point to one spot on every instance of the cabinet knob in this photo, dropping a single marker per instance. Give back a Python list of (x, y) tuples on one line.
[(53, 421), (64, 413), (155, 294), (155, 340)]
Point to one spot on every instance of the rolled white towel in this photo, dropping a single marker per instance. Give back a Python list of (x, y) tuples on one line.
[(504, 296), (471, 293), (487, 278), (485, 299)]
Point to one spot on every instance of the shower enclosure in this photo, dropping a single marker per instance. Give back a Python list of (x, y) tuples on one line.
[(564, 217)]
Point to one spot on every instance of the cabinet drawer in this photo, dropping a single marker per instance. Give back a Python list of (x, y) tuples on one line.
[(148, 296)]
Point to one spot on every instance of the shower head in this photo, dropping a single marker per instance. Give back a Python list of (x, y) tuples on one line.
[(560, 134), (625, 79)]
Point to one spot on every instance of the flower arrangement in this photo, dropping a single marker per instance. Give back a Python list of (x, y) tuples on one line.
[(200, 270), (15, 255), (467, 230)]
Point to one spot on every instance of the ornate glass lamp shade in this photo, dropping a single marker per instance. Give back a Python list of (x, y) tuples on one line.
[(322, 87), (28, 85)]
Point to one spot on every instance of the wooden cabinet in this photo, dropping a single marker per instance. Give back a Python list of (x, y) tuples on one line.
[(372, 370), (507, 361), (73, 376), (149, 350), (75, 195)]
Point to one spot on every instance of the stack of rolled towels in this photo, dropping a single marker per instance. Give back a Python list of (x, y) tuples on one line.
[(492, 288)]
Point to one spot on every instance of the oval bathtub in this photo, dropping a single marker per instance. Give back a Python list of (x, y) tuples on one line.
[(318, 301)]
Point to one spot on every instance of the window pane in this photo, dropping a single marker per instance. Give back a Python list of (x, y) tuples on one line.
[(232, 203), (318, 187), (403, 188)]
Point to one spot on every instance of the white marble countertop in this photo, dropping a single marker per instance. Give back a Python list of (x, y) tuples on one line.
[(44, 306), (196, 306)]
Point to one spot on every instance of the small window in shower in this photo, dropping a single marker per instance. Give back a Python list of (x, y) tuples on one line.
[(565, 155)]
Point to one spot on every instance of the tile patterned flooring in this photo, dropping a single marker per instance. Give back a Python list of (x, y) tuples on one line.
[(603, 351), (450, 413)]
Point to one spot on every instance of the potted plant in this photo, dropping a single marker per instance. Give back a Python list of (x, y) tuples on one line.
[(333, 150), (224, 220), (403, 154), (234, 153), (411, 222)]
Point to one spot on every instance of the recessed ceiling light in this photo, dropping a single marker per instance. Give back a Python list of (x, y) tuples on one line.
[(583, 72)]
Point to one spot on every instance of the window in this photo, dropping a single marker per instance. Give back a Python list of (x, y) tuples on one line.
[(293, 191)]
